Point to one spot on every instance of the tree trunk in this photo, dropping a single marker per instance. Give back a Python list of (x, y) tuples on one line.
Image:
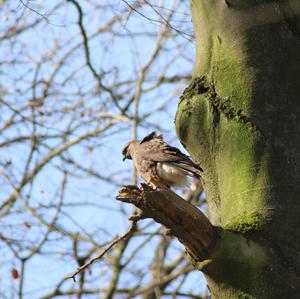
[(240, 119)]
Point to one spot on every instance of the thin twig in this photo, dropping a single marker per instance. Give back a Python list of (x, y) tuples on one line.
[(44, 16), (99, 256)]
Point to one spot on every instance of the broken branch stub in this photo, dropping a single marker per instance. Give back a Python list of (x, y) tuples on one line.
[(183, 220)]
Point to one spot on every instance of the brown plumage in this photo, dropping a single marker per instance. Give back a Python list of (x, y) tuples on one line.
[(159, 164)]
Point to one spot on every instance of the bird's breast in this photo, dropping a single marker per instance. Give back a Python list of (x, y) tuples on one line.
[(172, 175)]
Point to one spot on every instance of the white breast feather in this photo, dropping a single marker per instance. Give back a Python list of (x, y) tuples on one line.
[(171, 174)]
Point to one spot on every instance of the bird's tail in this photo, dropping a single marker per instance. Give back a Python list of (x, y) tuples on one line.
[(190, 168)]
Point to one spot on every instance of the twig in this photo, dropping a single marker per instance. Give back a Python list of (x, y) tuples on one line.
[(131, 229), (35, 11)]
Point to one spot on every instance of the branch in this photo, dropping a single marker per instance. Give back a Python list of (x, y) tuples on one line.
[(131, 229), (183, 220), (35, 11)]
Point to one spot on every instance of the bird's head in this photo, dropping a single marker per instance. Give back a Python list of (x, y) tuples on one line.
[(127, 150), (130, 146)]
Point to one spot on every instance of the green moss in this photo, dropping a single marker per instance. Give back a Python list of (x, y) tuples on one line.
[(199, 85), (239, 263), (200, 265), (222, 58), (193, 110), (230, 74), (226, 147), (246, 223)]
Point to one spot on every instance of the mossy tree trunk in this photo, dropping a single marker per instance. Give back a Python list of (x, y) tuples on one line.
[(240, 119)]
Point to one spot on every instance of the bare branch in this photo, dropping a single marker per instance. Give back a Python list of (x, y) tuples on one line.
[(182, 219), (131, 229)]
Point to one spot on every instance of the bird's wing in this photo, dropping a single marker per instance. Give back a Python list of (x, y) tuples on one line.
[(152, 136), (149, 137), (159, 151)]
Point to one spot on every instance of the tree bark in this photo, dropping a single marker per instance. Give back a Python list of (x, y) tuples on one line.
[(239, 119), (182, 219)]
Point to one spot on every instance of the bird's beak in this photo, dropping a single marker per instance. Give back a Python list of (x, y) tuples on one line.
[(124, 158)]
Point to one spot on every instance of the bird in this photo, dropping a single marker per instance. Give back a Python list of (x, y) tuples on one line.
[(159, 164)]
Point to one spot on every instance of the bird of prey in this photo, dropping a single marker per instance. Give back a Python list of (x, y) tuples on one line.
[(159, 164)]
